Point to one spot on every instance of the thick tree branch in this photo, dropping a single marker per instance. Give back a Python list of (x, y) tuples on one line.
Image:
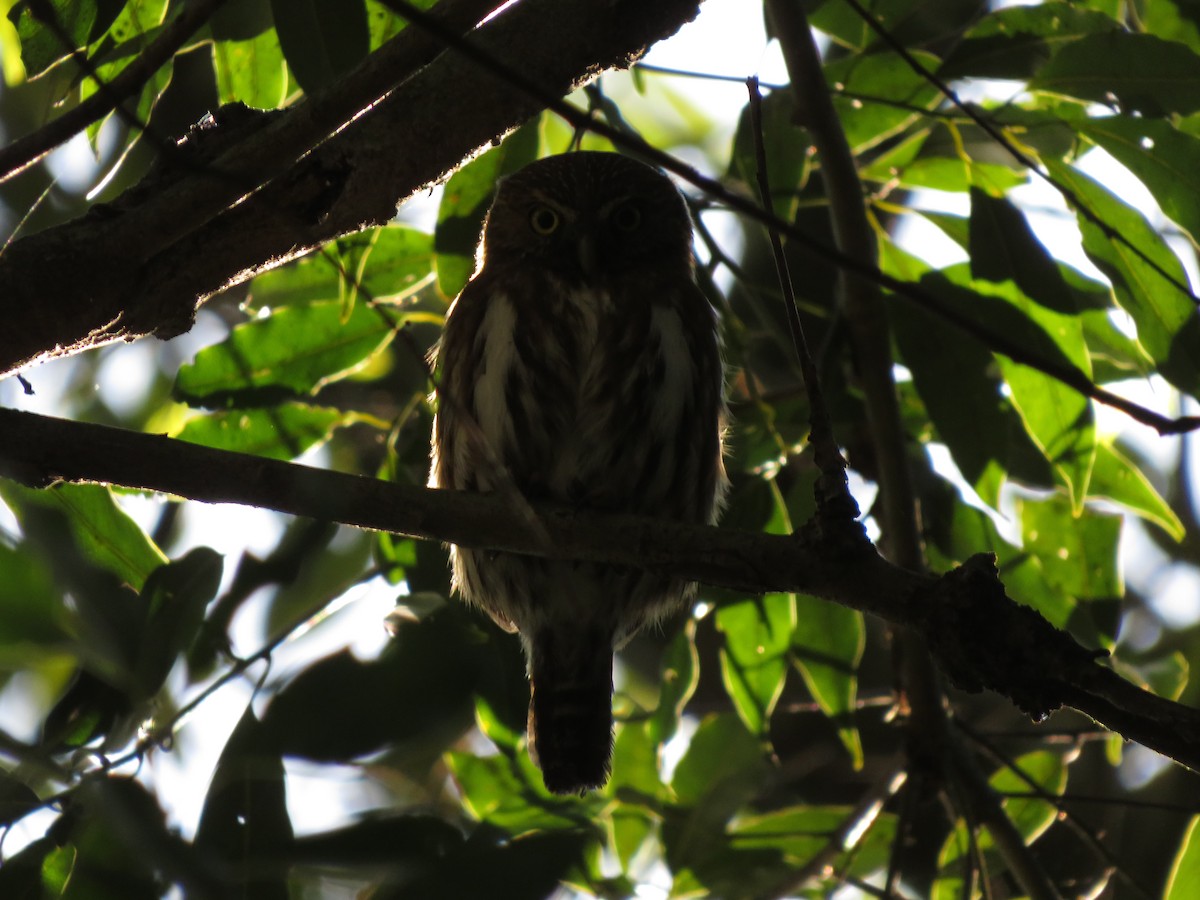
[(94, 280), (978, 635)]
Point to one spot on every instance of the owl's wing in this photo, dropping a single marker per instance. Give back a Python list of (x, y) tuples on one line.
[(457, 365), (504, 397)]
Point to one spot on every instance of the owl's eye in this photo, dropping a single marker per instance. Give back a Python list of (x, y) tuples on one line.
[(627, 217), (544, 220)]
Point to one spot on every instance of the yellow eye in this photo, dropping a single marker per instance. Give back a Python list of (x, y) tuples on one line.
[(627, 217), (544, 220)]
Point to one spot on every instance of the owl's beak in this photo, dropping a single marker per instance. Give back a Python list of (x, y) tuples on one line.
[(589, 254)]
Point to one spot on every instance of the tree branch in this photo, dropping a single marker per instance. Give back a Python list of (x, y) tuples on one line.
[(978, 635), (95, 280)]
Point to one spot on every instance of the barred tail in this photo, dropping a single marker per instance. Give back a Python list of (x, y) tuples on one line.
[(570, 708)]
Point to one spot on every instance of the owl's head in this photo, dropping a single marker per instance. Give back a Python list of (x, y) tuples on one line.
[(589, 218)]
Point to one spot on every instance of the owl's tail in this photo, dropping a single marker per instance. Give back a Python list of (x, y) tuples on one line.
[(570, 708)]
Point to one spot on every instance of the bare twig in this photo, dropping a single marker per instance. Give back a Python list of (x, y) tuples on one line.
[(982, 804), (1085, 831), (856, 824), (835, 504)]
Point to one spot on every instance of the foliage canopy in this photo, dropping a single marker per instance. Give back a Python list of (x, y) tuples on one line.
[(768, 745)]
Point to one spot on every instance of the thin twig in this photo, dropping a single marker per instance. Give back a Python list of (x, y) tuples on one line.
[(834, 502), (1081, 828), (857, 823), (984, 805)]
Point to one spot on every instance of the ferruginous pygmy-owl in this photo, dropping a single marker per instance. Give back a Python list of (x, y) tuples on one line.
[(580, 365)]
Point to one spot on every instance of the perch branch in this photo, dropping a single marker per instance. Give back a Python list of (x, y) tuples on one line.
[(979, 636)]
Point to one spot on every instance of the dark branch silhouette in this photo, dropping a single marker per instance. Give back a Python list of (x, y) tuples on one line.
[(979, 636)]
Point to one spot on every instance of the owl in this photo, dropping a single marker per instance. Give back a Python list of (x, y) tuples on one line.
[(581, 366)]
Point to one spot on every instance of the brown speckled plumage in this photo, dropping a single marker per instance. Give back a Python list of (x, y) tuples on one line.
[(580, 365)]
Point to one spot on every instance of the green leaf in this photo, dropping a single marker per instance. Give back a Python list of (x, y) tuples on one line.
[(332, 710), (245, 823), (1048, 127), (322, 40), (148, 98), (295, 350), (1059, 419), (679, 677), (1165, 316), (494, 728), (827, 645), (31, 614), (629, 828), (1118, 479), (958, 381), (384, 24), (1166, 676), (121, 842), (1175, 20), (465, 202), (1185, 871), (1137, 72), (103, 531), (279, 432), (803, 832), (1165, 159), (56, 871), (390, 263), (176, 596), (722, 767), (17, 799), (512, 797), (130, 32), (41, 46), (1004, 248), (1077, 549), (902, 166), (252, 71), (137, 18), (880, 95), (908, 21), (242, 21), (721, 771), (964, 530), (635, 761), (754, 658), (1029, 815), (1115, 355), (1014, 42)]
